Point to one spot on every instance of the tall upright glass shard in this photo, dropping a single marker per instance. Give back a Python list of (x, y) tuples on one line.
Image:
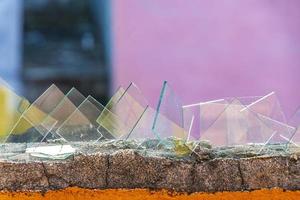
[(34, 123), (11, 108), (121, 117), (169, 117), (81, 125)]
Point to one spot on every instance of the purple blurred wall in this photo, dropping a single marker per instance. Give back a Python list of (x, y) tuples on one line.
[(209, 49)]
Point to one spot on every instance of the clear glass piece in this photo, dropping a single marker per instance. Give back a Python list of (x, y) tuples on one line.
[(121, 117), (282, 132), (268, 106), (294, 121), (65, 108), (26, 131), (201, 116), (51, 151), (295, 138), (11, 108), (169, 117), (34, 122), (238, 125), (143, 129), (81, 125), (115, 98)]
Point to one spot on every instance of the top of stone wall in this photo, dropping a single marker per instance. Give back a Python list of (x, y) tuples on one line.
[(119, 164)]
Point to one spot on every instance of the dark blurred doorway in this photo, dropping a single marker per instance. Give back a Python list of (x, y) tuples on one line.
[(66, 42)]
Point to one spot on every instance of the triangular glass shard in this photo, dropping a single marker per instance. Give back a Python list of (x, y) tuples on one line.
[(81, 125), (107, 120), (295, 122), (11, 108), (233, 127), (169, 117), (246, 100), (143, 129), (35, 123), (201, 116), (295, 139), (27, 131), (65, 108), (219, 133), (268, 106), (282, 132), (238, 125), (121, 117), (115, 98)]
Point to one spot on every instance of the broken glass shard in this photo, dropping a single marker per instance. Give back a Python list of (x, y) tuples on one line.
[(64, 109), (34, 123), (121, 117), (11, 108), (143, 129), (282, 132), (82, 124), (268, 106), (53, 152), (168, 120), (115, 98), (295, 138), (200, 116), (238, 125), (294, 121)]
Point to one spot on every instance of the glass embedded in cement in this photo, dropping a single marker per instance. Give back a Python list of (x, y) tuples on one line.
[(282, 132), (295, 138), (64, 109), (121, 117), (198, 117), (35, 122), (294, 121), (82, 124), (238, 125), (11, 108), (168, 120), (226, 129), (51, 151), (143, 129)]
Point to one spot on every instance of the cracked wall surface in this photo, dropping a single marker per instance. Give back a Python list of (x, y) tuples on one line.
[(208, 171)]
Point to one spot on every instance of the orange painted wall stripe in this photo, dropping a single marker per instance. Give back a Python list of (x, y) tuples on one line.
[(120, 194)]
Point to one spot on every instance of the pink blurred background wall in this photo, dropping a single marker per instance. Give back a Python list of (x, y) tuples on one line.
[(209, 49)]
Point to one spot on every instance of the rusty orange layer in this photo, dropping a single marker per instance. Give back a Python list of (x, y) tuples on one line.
[(77, 193)]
